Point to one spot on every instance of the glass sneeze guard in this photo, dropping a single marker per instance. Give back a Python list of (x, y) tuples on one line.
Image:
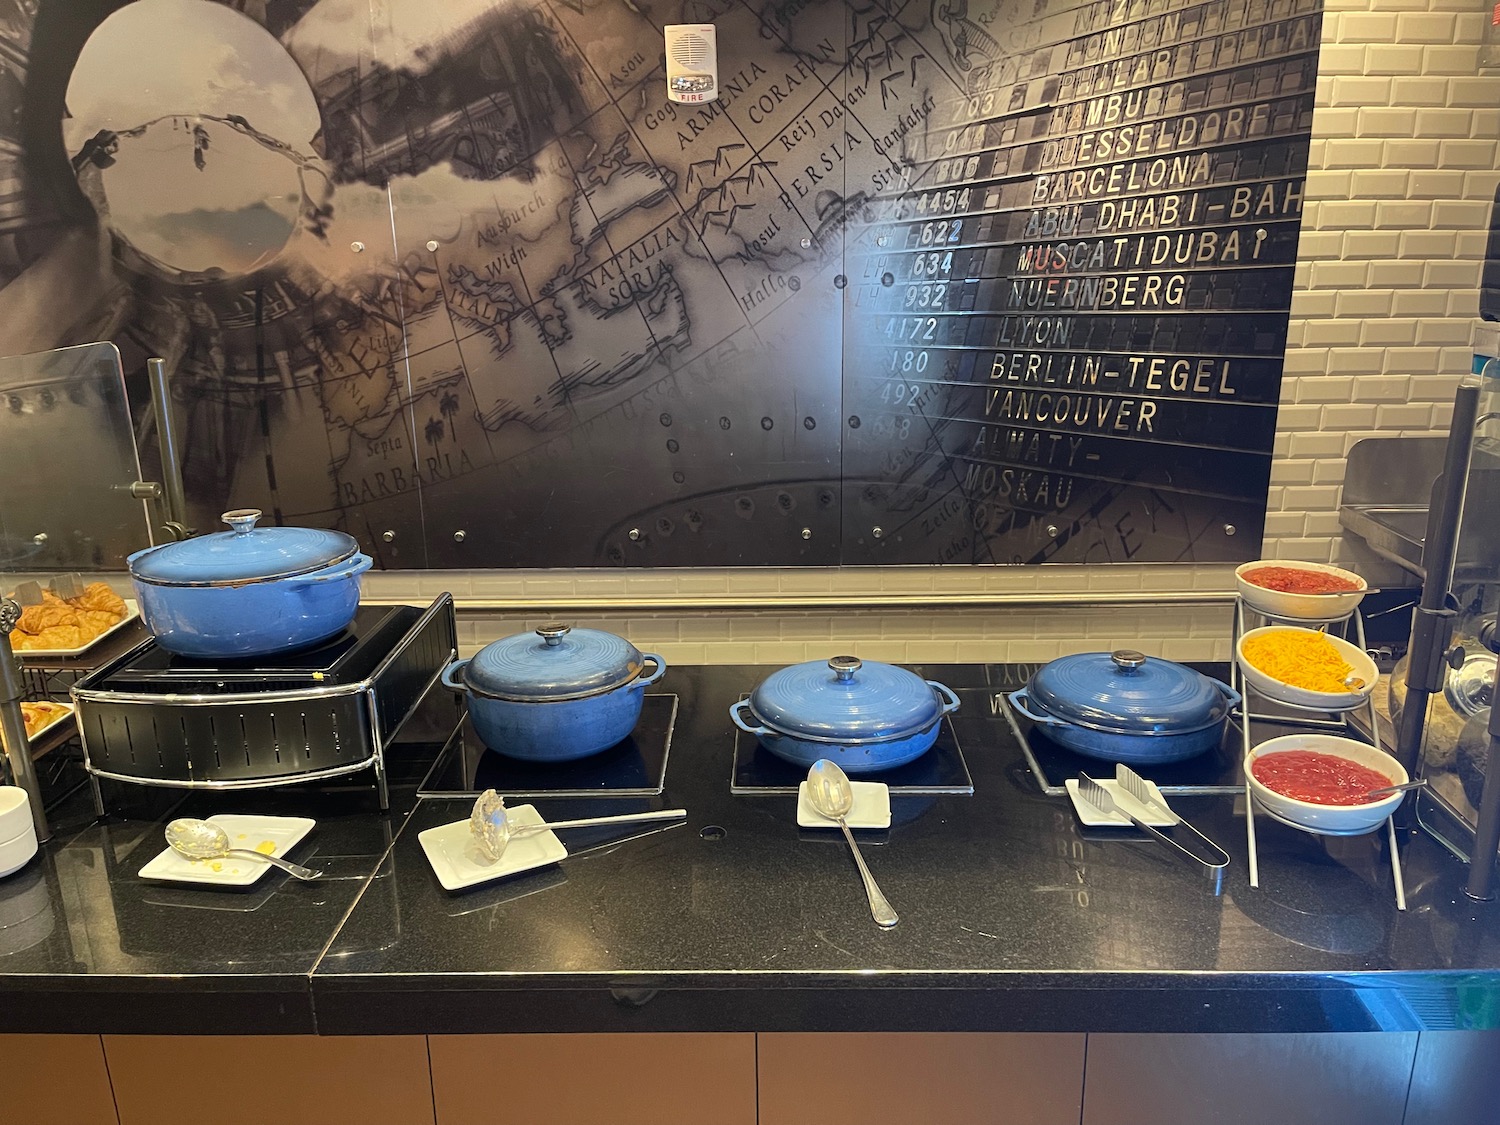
[(68, 461)]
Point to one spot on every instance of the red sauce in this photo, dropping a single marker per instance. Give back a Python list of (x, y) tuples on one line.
[(1319, 779), (1291, 580)]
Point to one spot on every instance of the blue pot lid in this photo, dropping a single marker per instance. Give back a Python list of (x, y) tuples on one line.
[(243, 555), (552, 664), (1124, 692), (846, 700)]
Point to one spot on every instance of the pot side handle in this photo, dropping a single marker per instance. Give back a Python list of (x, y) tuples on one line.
[(737, 713), (349, 568), (658, 673), (452, 677), (1020, 698), (1230, 695), (950, 698)]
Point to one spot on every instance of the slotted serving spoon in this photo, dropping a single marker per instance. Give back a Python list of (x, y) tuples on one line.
[(492, 830)]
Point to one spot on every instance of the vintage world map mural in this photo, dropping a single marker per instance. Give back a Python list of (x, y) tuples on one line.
[(951, 281)]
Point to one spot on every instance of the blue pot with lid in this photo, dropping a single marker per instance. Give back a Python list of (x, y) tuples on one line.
[(1123, 706), (863, 715), (250, 591), (557, 694)]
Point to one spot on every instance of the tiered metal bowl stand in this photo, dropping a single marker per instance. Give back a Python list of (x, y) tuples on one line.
[(1305, 717)]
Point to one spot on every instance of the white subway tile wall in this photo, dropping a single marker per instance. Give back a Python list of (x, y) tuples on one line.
[(1402, 173)]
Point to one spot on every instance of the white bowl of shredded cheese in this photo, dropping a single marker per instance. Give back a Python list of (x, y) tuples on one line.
[(1279, 659)]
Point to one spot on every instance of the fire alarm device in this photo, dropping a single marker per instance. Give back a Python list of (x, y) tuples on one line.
[(692, 62)]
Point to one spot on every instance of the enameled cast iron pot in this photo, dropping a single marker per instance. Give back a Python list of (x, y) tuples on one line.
[(556, 694), (248, 592), (862, 715), (1126, 707)]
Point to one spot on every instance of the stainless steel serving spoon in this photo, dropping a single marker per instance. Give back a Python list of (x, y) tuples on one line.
[(202, 839), (831, 794), (492, 830), (1387, 790)]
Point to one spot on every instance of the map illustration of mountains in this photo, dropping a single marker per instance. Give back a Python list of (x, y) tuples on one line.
[(959, 281)]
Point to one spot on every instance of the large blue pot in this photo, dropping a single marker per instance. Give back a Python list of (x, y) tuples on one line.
[(1125, 707), (862, 715), (557, 695), (249, 592)]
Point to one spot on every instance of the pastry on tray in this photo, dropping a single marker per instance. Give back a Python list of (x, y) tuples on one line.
[(57, 623)]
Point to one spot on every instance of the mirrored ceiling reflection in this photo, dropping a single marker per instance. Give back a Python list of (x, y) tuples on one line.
[(206, 167)]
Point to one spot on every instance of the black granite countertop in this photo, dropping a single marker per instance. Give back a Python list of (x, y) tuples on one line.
[(1013, 915)]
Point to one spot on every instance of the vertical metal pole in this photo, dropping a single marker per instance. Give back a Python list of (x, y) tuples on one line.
[(1487, 830), (171, 451), (13, 738), (1432, 624)]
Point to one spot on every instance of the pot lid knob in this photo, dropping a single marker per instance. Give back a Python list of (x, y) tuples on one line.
[(844, 667), (553, 632), (242, 520), (1127, 659)]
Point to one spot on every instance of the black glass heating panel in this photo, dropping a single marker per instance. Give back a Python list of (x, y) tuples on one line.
[(346, 658), (636, 767), (758, 772), (1214, 771)]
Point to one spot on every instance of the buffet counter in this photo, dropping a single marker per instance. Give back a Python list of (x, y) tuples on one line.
[(1014, 916)]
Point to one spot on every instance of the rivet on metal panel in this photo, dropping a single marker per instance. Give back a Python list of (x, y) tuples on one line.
[(388, 536), (460, 536), (877, 531), (635, 534), (807, 533), (1053, 531), (1230, 529), (432, 244), (357, 247)]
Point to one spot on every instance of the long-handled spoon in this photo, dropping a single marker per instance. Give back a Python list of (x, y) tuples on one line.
[(1387, 790), (492, 830), (202, 839), (831, 794)]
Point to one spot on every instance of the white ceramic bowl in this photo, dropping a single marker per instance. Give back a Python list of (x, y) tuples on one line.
[(15, 853), (1328, 818), (1299, 607), (1364, 667), (15, 812)]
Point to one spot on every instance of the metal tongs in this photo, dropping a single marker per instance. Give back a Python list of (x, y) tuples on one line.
[(64, 586), (1133, 783)]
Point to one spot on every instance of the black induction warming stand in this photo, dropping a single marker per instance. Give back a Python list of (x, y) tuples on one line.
[(153, 718)]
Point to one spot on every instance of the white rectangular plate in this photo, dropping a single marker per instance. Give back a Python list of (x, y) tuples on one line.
[(235, 870), (1091, 816), (63, 717), (132, 611), (458, 863), (872, 807)]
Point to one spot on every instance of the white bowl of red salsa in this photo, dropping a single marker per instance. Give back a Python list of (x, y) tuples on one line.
[(1302, 591), (1318, 781)]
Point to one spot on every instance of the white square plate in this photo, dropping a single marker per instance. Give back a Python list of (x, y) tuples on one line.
[(1091, 817), (458, 863), (234, 870), (872, 807), (132, 611)]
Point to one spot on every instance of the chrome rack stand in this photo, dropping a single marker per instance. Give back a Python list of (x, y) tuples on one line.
[(15, 744), (1300, 717)]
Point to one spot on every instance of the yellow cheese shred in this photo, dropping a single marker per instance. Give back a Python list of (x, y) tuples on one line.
[(1300, 657)]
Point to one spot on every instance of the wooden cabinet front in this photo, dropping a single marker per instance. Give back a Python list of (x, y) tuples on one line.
[(961, 1078)]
